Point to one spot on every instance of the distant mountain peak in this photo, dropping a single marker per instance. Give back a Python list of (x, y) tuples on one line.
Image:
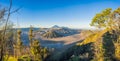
[(56, 26)]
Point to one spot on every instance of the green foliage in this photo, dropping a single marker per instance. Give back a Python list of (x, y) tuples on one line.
[(117, 49), (24, 58), (101, 19), (18, 46), (36, 50), (35, 47), (93, 37), (98, 50), (19, 42), (110, 20), (38, 53), (98, 46), (31, 34), (6, 34), (10, 58), (44, 52), (107, 19), (117, 11)]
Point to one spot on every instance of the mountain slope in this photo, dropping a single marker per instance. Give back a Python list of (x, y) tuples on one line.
[(99, 46), (51, 34)]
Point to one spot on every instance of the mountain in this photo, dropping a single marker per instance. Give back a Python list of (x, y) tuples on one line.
[(66, 31), (55, 26), (51, 34)]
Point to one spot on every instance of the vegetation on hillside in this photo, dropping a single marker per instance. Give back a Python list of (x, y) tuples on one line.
[(100, 45), (11, 45)]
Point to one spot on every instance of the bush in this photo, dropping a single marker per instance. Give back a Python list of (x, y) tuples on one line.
[(25, 58)]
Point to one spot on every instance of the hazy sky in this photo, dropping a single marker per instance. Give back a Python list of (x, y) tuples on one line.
[(46, 13)]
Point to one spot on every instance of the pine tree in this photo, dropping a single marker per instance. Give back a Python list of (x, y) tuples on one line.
[(31, 34), (36, 50), (34, 46), (18, 45)]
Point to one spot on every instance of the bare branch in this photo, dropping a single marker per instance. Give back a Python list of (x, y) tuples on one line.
[(15, 10), (2, 12), (4, 32)]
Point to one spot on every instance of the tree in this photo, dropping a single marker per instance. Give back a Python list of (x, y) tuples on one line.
[(34, 46), (31, 34), (5, 29), (3, 41), (102, 20), (110, 21), (18, 45), (107, 19), (36, 50)]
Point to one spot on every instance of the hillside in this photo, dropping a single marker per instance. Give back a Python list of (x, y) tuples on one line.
[(38, 32), (98, 46), (51, 34)]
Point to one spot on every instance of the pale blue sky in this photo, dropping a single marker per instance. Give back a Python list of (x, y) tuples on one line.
[(70, 13)]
